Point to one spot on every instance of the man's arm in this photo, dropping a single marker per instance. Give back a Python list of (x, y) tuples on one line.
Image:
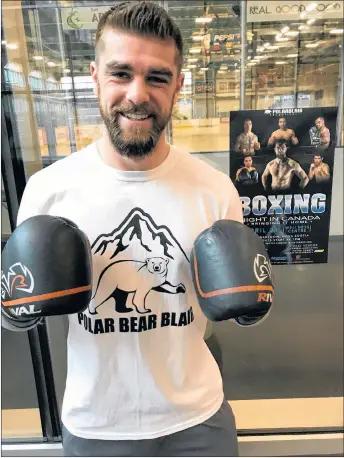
[(325, 137), (234, 211), (294, 138), (299, 172), (311, 172), (237, 174), (326, 169), (265, 175), (256, 143), (237, 146), (31, 202), (272, 139)]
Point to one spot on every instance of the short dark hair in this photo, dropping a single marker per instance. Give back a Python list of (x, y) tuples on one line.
[(142, 18), (248, 119), (281, 141), (282, 117)]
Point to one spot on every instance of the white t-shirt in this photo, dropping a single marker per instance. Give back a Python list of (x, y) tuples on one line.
[(138, 366)]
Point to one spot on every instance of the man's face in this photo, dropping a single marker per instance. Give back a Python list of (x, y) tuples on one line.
[(317, 160), (248, 162), (137, 85), (248, 126), (282, 122), (319, 123), (281, 150)]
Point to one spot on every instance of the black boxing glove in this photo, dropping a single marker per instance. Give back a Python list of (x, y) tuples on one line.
[(244, 177), (314, 135), (231, 273), (254, 176), (46, 270)]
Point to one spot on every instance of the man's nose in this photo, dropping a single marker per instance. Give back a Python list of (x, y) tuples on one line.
[(137, 92)]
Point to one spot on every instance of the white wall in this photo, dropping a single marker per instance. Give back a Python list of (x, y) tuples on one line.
[(336, 224)]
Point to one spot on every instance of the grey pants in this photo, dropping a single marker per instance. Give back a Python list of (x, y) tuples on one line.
[(215, 437)]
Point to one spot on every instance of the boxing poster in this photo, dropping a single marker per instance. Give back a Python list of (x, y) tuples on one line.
[(281, 162)]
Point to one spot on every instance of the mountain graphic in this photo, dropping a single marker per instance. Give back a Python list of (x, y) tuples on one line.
[(139, 229)]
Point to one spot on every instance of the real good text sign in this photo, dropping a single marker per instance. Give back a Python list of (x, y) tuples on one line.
[(264, 11)]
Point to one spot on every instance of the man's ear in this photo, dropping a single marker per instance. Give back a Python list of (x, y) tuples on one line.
[(94, 76), (180, 84)]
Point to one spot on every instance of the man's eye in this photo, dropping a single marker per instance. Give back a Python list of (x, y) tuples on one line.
[(120, 75), (157, 79)]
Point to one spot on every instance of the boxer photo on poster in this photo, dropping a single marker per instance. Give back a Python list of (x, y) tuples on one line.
[(282, 167)]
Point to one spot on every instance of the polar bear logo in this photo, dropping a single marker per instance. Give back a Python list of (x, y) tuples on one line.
[(121, 278)]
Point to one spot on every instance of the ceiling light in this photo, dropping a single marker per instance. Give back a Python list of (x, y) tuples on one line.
[(261, 57), (251, 63), (312, 45), (51, 64), (280, 62), (66, 70), (311, 7), (336, 31), (203, 20), (195, 50), (185, 70), (205, 69), (192, 66), (198, 37), (12, 46), (285, 29), (292, 33), (273, 48), (221, 71), (310, 21), (192, 59), (292, 55), (37, 57)]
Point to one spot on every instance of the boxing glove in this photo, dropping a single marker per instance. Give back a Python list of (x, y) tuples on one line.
[(46, 270), (244, 177), (231, 273), (314, 135), (254, 176)]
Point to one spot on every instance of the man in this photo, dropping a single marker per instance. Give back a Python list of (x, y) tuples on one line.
[(283, 133), (247, 142), (248, 174), (319, 134), (319, 171), (282, 169), (141, 380)]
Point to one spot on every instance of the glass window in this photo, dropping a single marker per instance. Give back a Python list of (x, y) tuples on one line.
[(19, 404)]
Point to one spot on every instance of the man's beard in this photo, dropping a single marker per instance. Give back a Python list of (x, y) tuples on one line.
[(134, 143)]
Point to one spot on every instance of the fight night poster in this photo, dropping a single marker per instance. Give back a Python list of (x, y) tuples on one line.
[(281, 162)]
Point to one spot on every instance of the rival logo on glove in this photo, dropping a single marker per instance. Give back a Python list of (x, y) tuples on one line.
[(19, 277), (262, 268)]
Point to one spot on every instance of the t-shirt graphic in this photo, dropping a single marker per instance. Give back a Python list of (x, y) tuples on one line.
[(140, 256)]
